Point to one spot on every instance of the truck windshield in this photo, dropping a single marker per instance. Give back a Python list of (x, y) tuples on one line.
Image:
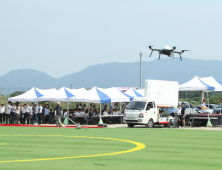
[(136, 105)]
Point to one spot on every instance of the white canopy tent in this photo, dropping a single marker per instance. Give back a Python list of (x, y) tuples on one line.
[(99, 95), (62, 94), (133, 92), (196, 84), (212, 82), (32, 95), (140, 91)]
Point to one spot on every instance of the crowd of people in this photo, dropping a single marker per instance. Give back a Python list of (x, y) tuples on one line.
[(41, 114)]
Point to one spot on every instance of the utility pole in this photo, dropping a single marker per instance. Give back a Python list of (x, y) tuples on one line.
[(140, 70)]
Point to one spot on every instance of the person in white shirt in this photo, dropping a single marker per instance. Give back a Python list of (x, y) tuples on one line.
[(65, 114), (17, 111), (27, 110), (76, 116), (2, 113), (105, 113), (179, 115), (7, 112), (39, 109), (118, 111), (82, 115)]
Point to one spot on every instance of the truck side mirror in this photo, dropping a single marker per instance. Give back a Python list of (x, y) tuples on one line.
[(148, 108)]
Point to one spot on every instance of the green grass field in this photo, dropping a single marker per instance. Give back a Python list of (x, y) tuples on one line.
[(165, 148)]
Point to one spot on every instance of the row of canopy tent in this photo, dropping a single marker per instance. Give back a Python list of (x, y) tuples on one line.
[(201, 84), (95, 95)]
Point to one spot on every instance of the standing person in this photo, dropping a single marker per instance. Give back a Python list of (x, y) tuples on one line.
[(39, 109), (34, 114), (27, 113), (58, 113), (77, 107), (18, 111), (46, 113), (31, 113), (2, 113), (94, 107), (90, 107), (12, 113), (51, 117), (22, 114), (179, 115), (183, 113), (7, 112)]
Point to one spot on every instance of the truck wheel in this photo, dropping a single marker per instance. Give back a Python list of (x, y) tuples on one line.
[(150, 123), (130, 125)]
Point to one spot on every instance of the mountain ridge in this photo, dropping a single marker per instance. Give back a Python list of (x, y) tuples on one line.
[(113, 74)]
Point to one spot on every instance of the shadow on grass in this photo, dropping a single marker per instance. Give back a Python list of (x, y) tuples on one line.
[(100, 164)]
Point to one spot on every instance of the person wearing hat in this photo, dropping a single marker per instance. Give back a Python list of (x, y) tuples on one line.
[(2, 112), (58, 113)]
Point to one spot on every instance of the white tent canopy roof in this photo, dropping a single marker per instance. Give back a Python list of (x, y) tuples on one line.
[(32, 95), (196, 84), (62, 94), (140, 91), (133, 92), (212, 82), (99, 95)]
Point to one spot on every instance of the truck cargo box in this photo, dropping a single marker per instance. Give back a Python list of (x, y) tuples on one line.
[(165, 93)]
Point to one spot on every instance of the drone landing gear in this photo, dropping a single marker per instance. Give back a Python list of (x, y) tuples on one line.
[(180, 58), (151, 53)]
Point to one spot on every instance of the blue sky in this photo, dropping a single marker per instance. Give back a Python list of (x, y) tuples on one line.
[(66, 36)]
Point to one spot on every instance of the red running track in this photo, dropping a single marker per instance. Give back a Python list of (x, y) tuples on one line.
[(68, 126)]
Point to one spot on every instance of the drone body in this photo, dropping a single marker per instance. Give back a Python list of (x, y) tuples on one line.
[(167, 51)]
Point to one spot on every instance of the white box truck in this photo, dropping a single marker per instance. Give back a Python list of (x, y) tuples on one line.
[(158, 94)]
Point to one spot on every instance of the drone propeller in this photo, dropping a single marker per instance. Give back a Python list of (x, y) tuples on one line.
[(184, 51)]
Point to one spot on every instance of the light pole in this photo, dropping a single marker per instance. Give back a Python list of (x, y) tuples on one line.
[(140, 70)]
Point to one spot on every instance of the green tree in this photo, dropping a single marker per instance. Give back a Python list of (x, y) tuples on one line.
[(16, 93)]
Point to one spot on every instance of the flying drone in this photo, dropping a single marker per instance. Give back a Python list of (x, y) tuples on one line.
[(167, 51)]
